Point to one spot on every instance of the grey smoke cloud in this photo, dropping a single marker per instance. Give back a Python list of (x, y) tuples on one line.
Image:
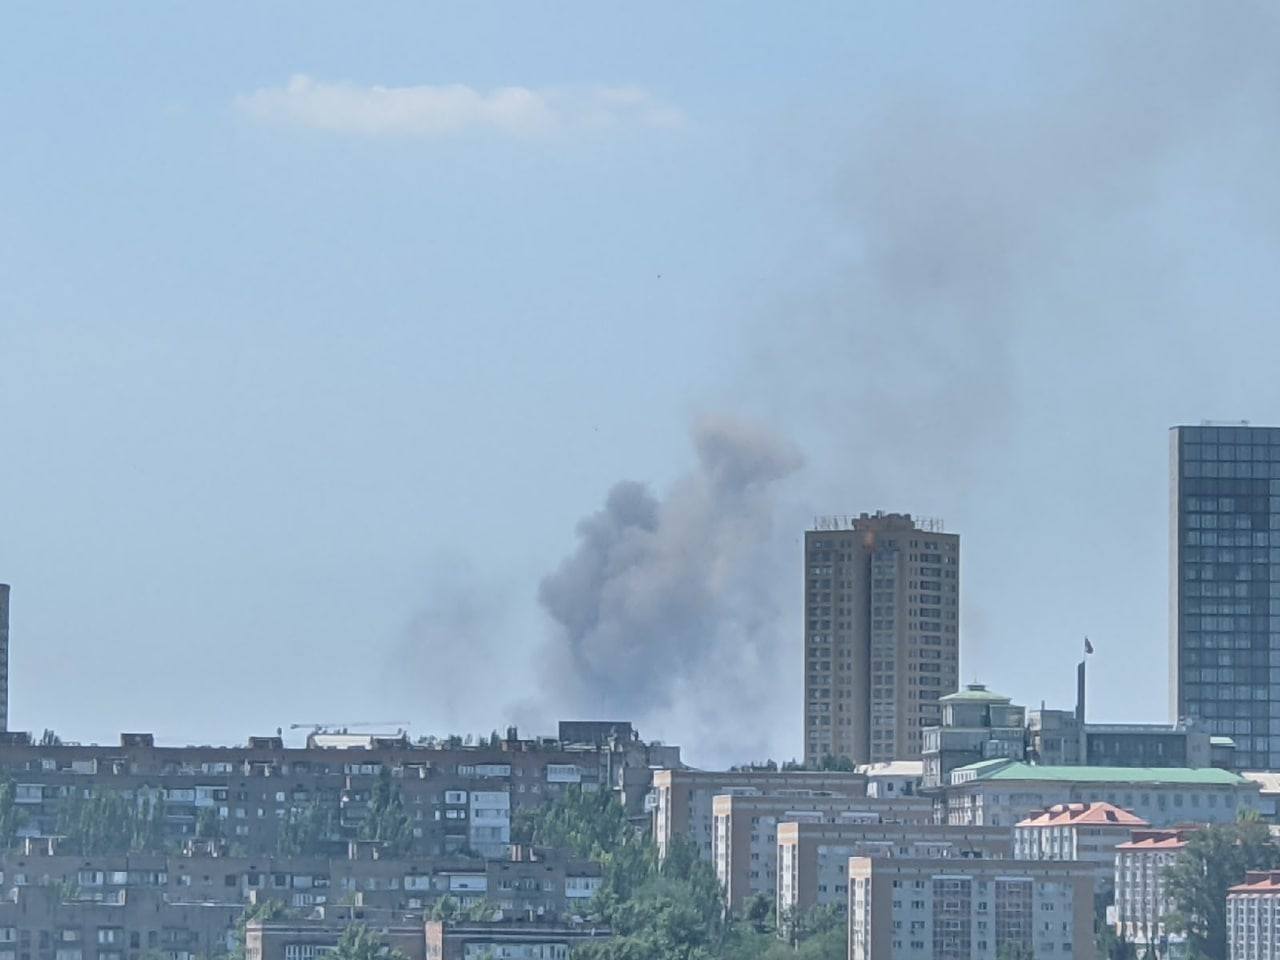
[(981, 256), (664, 595)]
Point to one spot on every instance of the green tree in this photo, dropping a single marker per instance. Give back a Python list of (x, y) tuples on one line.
[(12, 816), (760, 913), (358, 942), (1215, 859), (306, 830), (388, 822), (264, 910), (208, 824)]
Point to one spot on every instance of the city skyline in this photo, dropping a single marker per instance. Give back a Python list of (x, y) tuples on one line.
[(319, 365)]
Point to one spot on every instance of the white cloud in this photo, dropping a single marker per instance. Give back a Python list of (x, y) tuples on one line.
[(442, 110)]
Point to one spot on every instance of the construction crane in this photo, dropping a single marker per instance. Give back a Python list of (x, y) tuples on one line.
[(343, 727)]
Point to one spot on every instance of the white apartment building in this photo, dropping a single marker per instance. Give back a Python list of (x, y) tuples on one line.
[(902, 909), (1141, 901), (1002, 792), (1084, 832), (1253, 917)]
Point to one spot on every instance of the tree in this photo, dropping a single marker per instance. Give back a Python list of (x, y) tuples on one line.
[(263, 910), (12, 816), (208, 825), (358, 942), (306, 830), (1214, 859), (50, 739), (388, 822), (760, 913)]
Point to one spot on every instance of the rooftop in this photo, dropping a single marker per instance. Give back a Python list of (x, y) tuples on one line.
[(1144, 840), (1015, 770), (974, 693), (1100, 814), (1264, 881)]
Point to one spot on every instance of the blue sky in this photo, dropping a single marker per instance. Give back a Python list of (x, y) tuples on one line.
[(322, 328)]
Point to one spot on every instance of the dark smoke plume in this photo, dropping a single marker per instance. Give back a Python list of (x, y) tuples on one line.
[(666, 599)]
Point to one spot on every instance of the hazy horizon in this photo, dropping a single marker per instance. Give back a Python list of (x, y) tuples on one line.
[(484, 367)]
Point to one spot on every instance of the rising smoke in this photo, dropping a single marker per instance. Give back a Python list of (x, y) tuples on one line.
[(667, 603)]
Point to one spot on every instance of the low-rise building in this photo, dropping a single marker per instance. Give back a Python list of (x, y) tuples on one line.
[(813, 858), (1060, 738), (683, 799), (893, 778), (1253, 917), (744, 834), (1002, 792), (1141, 898), (954, 909), (1083, 832)]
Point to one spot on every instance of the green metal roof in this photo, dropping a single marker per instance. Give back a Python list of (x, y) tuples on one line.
[(973, 693), (1013, 770)]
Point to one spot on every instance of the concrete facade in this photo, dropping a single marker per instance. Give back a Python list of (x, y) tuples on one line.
[(903, 909), (1080, 832), (813, 858), (459, 799), (684, 799), (744, 832), (1141, 899), (882, 601), (1002, 792)]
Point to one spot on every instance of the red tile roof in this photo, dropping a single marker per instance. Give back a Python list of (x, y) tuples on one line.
[(1093, 814), (1262, 881), (1172, 839)]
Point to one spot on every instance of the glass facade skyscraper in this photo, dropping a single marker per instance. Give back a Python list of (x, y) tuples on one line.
[(1224, 622)]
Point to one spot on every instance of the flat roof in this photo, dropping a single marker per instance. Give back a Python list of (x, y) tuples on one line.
[(1014, 770)]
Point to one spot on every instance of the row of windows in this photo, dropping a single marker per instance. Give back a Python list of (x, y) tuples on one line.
[(1239, 469)]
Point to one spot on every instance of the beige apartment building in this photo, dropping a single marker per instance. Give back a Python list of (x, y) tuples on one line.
[(683, 799), (813, 858), (744, 835), (882, 635), (955, 909)]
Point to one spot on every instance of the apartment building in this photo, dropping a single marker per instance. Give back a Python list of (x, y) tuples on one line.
[(37, 923), (1081, 832), (1253, 917), (429, 940), (882, 640), (976, 725), (1141, 898), (744, 836), (952, 909), (459, 799), (1002, 792), (684, 799), (813, 858), (531, 883)]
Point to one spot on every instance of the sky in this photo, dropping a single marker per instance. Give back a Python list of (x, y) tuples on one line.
[(465, 365)]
